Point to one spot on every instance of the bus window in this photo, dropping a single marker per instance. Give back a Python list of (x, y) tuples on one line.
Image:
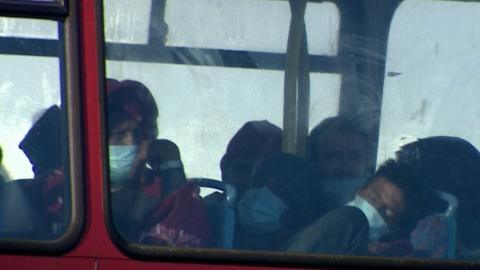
[(197, 91), (35, 187), (228, 80)]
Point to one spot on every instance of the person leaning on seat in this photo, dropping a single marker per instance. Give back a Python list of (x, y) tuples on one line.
[(377, 222)]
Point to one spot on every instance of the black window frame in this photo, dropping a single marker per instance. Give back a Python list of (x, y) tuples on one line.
[(55, 9), (66, 49)]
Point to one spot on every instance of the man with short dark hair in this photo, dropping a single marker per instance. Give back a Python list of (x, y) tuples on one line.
[(385, 210)]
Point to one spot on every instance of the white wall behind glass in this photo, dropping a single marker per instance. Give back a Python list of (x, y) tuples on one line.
[(435, 47), (202, 107), (28, 86), (28, 28)]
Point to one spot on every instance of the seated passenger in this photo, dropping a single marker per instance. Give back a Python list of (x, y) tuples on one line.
[(45, 195), (248, 147), (452, 165), (378, 221), (339, 150), (132, 124), (151, 201), (278, 203)]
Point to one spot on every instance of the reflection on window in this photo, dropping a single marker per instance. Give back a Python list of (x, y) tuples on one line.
[(34, 201)]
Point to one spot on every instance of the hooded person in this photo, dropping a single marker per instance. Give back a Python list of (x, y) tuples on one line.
[(246, 150), (47, 196)]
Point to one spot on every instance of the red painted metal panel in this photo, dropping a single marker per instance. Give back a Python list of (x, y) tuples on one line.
[(110, 264), (95, 242), (46, 263)]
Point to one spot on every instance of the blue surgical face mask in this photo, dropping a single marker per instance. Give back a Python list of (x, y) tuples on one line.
[(377, 225), (338, 192), (260, 211), (121, 158)]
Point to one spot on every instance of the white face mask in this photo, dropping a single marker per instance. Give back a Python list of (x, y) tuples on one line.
[(260, 211), (338, 192), (377, 225), (121, 158)]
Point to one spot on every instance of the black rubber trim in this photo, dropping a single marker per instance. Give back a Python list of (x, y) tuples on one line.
[(56, 10)]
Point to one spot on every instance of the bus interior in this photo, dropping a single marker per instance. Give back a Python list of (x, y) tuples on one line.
[(239, 134)]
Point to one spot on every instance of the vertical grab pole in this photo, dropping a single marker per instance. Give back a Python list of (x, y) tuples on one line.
[(291, 116)]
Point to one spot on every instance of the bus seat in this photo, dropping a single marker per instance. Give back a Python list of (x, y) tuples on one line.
[(451, 217), (436, 235), (221, 212)]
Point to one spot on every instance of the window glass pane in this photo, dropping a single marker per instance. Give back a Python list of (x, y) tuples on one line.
[(324, 97), (210, 105), (322, 22), (430, 114), (40, 91), (247, 25), (430, 85), (213, 106), (27, 28), (127, 21), (34, 198)]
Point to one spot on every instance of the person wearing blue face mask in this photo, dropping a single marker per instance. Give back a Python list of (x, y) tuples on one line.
[(339, 149), (278, 203), (384, 211), (132, 125)]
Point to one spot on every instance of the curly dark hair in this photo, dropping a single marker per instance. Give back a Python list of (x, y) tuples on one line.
[(419, 199)]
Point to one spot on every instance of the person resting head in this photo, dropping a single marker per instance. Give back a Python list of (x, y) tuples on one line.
[(391, 203), (165, 209), (394, 200), (132, 124)]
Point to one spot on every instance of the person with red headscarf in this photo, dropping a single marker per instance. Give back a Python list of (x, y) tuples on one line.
[(152, 202), (132, 124)]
